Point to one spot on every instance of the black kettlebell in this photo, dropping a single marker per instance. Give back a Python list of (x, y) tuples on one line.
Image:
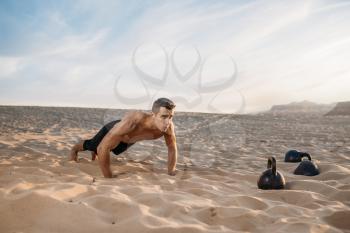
[(294, 156), (271, 178), (307, 167)]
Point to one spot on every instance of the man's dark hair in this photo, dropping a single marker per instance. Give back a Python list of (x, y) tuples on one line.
[(162, 102)]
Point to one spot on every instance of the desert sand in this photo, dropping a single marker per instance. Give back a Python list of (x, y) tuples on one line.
[(215, 189)]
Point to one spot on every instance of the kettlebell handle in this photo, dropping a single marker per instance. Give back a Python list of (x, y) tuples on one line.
[(304, 154), (271, 163)]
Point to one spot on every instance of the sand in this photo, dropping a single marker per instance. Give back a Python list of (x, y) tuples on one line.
[(215, 190)]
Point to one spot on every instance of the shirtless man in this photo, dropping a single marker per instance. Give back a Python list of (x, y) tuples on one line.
[(135, 126)]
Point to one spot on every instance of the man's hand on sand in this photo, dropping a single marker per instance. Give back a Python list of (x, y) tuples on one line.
[(172, 173)]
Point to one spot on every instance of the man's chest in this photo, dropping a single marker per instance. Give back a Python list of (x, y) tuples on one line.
[(141, 134)]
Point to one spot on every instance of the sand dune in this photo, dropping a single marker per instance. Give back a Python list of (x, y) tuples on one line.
[(301, 107), (341, 109), (215, 190)]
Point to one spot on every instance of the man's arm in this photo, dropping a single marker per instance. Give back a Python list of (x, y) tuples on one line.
[(170, 140), (113, 138)]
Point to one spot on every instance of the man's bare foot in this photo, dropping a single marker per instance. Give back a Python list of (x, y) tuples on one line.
[(73, 155), (93, 155)]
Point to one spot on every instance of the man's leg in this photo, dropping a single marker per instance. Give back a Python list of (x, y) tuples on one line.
[(75, 149), (91, 144), (93, 155)]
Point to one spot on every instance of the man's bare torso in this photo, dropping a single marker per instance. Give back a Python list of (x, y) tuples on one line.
[(136, 126)]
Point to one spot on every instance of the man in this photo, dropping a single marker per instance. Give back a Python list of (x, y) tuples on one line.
[(135, 126)]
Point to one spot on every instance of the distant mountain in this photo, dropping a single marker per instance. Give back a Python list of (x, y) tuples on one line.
[(341, 109), (302, 107)]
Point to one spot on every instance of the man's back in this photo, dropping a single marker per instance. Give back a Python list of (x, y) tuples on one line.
[(135, 126)]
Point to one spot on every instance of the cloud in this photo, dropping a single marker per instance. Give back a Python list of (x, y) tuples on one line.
[(72, 53), (9, 66)]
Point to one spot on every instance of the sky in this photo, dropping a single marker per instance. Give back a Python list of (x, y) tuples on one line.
[(207, 56)]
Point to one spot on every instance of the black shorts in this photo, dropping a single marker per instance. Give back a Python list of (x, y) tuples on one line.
[(93, 143)]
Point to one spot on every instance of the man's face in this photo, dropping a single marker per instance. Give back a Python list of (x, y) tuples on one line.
[(163, 118)]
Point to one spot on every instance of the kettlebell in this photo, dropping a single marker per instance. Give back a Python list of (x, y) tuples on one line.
[(271, 178), (294, 156), (307, 167)]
